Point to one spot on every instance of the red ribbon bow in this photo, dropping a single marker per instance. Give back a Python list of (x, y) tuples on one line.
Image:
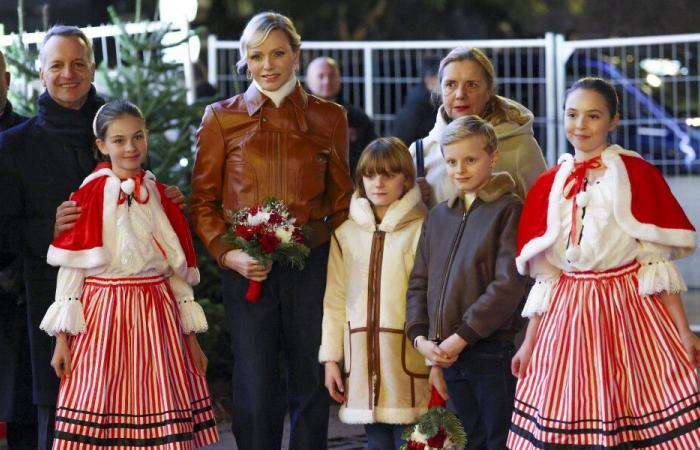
[(436, 399), (578, 177), (136, 195)]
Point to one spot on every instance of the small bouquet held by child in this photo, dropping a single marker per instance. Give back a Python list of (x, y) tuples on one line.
[(438, 429), (267, 233)]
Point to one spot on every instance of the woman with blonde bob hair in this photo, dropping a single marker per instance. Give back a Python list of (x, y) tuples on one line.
[(467, 86), (274, 140)]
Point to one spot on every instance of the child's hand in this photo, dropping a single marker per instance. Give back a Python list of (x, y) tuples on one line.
[(61, 361), (424, 189), (198, 357), (437, 380), (454, 345), (520, 361), (691, 343), (434, 353), (334, 382)]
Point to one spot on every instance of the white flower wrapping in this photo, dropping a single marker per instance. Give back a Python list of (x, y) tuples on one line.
[(261, 216)]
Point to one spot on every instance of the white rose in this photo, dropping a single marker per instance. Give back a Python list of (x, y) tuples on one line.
[(419, 437), (284, 234), (260, 217)]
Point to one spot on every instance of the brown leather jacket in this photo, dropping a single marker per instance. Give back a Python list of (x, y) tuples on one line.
[(249, 150), (464, 279)]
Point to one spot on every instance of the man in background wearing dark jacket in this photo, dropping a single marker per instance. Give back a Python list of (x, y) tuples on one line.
[(417, 116), (323, 80), (16, 408)]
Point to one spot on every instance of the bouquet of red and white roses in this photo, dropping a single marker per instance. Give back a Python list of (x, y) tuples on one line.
[(267, 233), (438, 429)]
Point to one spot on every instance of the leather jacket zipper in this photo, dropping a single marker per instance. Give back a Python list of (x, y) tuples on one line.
[(373, 310), (441, 302)]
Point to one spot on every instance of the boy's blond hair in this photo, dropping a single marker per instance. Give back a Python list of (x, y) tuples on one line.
[(466, 126), (385, 156)]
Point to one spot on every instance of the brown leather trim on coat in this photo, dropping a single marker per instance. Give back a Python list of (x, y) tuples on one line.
[(403, 362), (348, 365), (373, 309)]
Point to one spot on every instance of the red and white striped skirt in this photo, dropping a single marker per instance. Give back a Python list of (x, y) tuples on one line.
[(133, 382), (608, 371)]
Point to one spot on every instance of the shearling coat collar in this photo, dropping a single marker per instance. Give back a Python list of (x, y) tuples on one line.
[(407, 209), (501, 183)]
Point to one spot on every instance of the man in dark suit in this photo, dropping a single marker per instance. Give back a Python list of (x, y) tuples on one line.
[(16, 408)]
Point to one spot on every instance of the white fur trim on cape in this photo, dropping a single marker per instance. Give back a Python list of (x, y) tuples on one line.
[(192, 318), (660, 276), (683, 242), (79, 259), (64, 316), (541, 243), (381, 415)]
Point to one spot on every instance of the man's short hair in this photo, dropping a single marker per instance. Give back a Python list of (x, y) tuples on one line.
[(66, 31)]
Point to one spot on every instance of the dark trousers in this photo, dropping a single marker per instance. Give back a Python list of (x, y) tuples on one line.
[(384, 436), (46, 417), (482, 391), (285, 321), (21, 436)]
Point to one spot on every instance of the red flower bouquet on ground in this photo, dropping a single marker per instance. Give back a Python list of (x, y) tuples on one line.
[(438, 429), (267, 233)]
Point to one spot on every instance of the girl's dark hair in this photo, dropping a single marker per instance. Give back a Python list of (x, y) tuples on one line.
[(111, 111), (600, 86)]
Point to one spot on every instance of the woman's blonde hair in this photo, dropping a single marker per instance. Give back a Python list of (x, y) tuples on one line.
[(385, 156), (259, 28), (496, 109), (466, 126)]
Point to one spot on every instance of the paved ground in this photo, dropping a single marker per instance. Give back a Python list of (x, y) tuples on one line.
[(340, 435)]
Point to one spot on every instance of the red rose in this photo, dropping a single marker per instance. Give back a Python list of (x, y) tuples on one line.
[(412, 445), (275, 219), (256, 230), (297, 236), (269, 243), (439, 439), (254, 210), (243, 232)]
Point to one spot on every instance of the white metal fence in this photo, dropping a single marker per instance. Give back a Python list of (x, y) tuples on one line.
[(660, 109)]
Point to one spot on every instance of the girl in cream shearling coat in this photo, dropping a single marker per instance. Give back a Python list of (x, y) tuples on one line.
[(365, 308)]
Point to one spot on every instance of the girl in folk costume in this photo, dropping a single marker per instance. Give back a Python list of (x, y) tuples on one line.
[(132, 373), (364, 307), (608, 360)]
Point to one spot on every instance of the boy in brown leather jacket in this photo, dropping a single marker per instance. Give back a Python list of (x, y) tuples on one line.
[(465, 293)]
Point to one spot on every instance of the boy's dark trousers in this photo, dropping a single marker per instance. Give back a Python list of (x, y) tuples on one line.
[(287, 321), (482, 391)]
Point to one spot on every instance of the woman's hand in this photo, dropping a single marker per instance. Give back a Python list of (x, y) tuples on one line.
[(424, 189), (67, 214), (691, 343), (434, 353), (174, 194), (198, 357), (437, 380), (61, 360), (242, 263), (334, 382), (453, 345), (520, 361)]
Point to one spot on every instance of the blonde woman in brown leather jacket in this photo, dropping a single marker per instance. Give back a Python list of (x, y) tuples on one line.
[(273, 140)]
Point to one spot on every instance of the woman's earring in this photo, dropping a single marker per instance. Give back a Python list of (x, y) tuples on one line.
[(248, 75)]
